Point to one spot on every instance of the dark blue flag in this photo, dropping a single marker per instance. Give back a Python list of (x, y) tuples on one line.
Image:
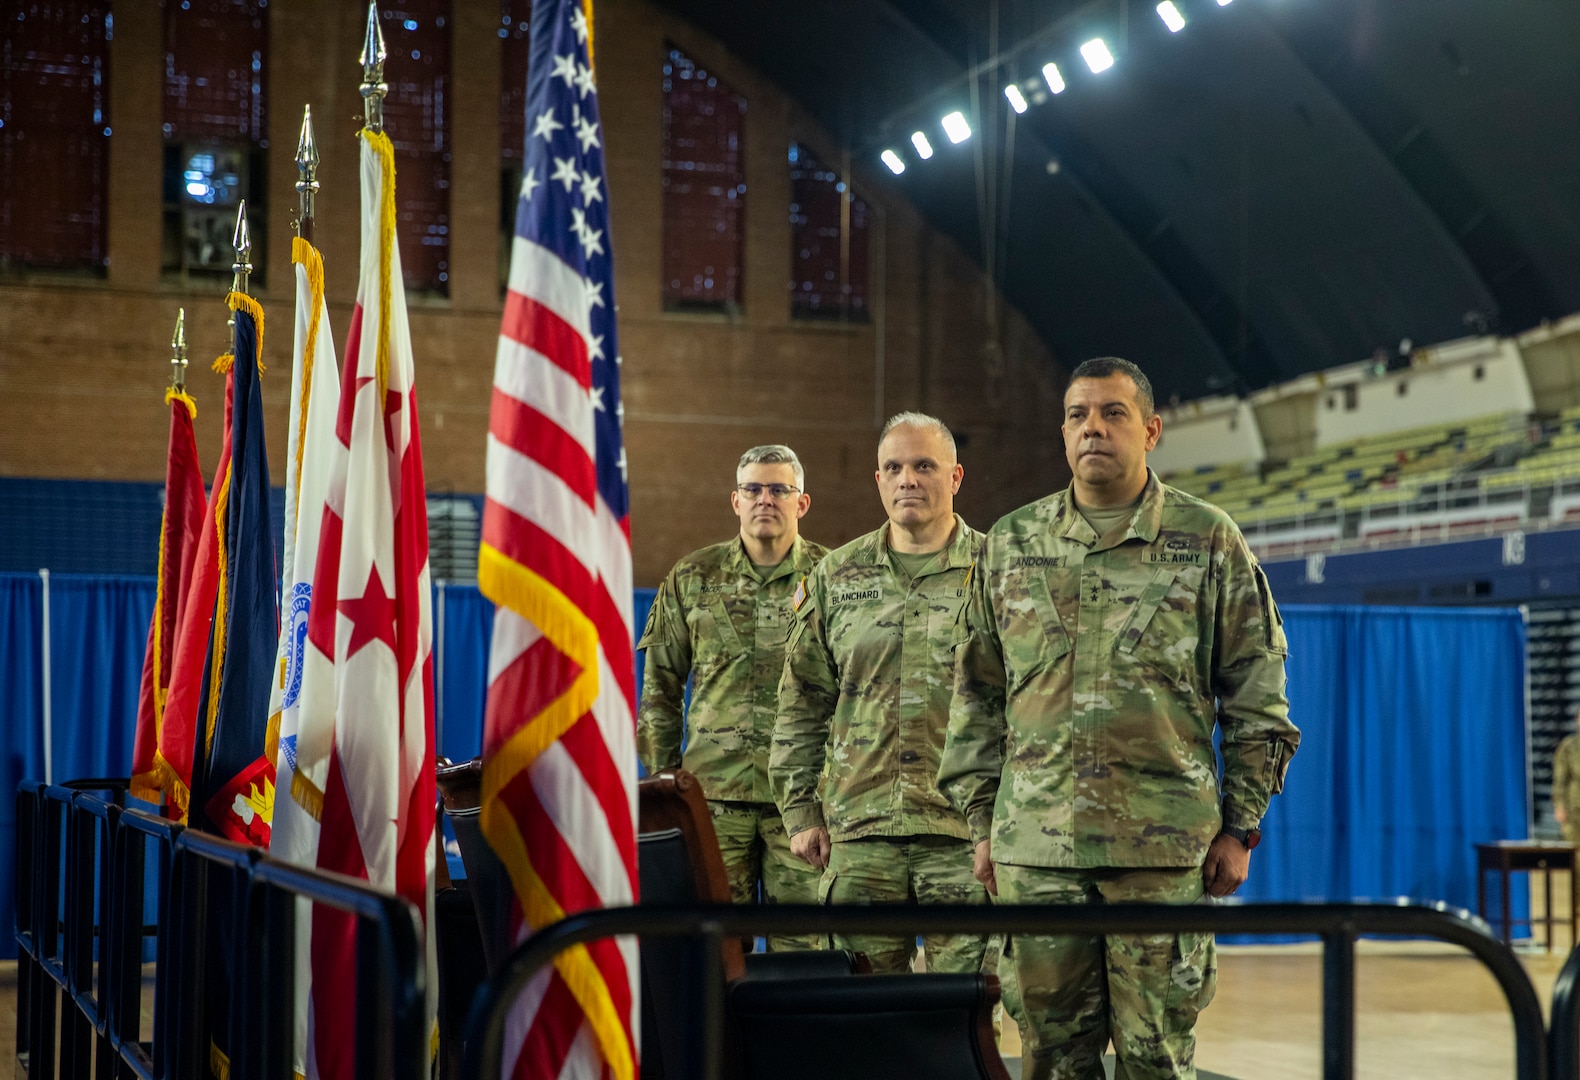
[(233, 789)]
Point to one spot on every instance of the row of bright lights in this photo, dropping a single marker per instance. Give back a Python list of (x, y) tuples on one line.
[(1098, 57)]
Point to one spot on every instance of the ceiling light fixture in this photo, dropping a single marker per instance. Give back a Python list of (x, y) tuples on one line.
[(892, 160), (956, 128), (1097, 56), (1017, 100), (1055, 78), (1171, 16), (924, 149)]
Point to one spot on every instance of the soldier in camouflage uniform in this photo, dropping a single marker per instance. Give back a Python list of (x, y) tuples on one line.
[(1566, 784), (721, 618), (865, 695), (1102, 623)]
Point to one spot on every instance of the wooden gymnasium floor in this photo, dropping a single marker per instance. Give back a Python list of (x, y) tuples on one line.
[(1423, 1010)]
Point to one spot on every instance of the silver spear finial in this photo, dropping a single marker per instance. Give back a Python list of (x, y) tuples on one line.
[(242, 242), (373, 86), (307, 171), (178, 352)]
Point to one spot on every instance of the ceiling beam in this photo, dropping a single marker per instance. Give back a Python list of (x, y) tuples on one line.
[(1523, 296)]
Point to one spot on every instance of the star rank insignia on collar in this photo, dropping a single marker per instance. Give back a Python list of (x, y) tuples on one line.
[(799, 596)]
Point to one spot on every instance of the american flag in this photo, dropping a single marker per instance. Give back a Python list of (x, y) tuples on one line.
[(559, 776)]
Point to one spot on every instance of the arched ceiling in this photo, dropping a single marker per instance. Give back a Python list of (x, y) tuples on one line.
[(1283, 186)]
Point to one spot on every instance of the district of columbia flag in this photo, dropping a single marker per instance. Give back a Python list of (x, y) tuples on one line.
[(364, 758), (179, 530), (309, 457), (559, 757)]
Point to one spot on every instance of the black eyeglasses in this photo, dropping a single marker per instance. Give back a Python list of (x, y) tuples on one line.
[(778, 491)]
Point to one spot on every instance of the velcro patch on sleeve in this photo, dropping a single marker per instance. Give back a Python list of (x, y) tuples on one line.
[(799, 596)]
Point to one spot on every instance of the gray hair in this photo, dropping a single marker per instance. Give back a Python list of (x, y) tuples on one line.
[(772, 454), (1101, 367), (920, 420)]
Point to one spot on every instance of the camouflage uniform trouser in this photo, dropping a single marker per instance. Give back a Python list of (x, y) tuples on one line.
[(1143, 990), (755, 848), (922, 869)]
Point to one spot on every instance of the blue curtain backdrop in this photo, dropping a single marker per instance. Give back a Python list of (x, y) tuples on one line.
[(1413, 749), (1413, 724)]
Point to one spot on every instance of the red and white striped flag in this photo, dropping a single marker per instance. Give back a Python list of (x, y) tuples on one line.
[(559, 759), (365, 741)]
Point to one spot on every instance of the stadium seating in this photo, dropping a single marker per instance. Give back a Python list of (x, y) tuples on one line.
[(1428, 483)]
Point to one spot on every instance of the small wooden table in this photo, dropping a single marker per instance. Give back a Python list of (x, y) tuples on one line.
[(1507, 856)]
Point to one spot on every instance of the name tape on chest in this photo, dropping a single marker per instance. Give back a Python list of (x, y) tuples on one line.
[(853, 595), (1029, 562)]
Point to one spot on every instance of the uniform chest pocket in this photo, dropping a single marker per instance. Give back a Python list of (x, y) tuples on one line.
[(1032, 633), (1164, 629), (713, 631)]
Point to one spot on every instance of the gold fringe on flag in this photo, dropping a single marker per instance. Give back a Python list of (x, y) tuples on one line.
[(185, 398), (221, 609), (175, 789), (307, 796), (218, 1062), (308, 257), (242, 302), (386, 151), (223, 364)]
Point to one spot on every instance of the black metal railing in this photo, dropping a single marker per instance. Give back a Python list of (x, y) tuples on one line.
[(1338, 926), (1563, 1040), (81, 897)]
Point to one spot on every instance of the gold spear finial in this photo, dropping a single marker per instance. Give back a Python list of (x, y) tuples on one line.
[(307, 172), (242, 242), (178, 353), (373, 86)]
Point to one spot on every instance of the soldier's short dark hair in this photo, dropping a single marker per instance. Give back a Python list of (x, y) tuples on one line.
[(1101, 367)]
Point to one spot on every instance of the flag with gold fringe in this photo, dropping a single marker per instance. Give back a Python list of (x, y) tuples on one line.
[(365, 745), (559, 757), (175, 757), (233, 779), (178, 542), (310, 445)]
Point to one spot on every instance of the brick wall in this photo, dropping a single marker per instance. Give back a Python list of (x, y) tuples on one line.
[(83, 364)]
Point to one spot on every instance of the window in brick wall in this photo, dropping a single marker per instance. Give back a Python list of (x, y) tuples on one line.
[(515, 45), (417, 120), (704, 182), (215, 115), (54, 135), (828, 240)]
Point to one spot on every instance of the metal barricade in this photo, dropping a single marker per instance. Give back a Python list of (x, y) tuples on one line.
[(1563, 1046), (1338, 925), (81, 875)]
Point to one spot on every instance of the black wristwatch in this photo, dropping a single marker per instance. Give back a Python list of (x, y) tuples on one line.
[(1249, 837)]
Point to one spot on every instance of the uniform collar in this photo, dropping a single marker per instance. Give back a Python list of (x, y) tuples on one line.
[(1145, 524), (960, 551), (796, 560)]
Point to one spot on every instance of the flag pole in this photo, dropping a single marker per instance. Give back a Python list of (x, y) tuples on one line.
[(178, 353), (373, 85), (307, 171)]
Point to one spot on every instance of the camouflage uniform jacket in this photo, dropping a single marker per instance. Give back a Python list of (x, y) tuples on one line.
[(866, 686), (1566, 777), (714, 621), (1081, 732)]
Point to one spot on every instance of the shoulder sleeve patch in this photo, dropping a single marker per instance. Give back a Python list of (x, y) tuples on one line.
[(799, 596)]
